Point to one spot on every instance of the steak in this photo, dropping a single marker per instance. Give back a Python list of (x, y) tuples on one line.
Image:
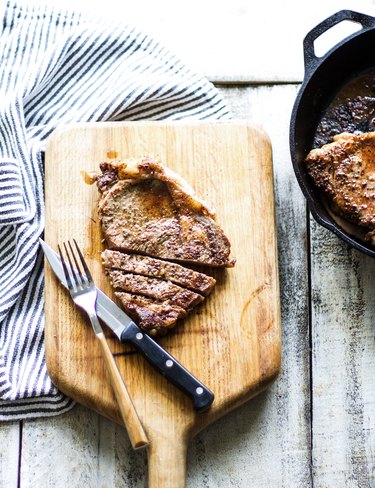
[(149, 211), (345, 171), (151, 221), (156, 318), (154, 288), (156, 268)]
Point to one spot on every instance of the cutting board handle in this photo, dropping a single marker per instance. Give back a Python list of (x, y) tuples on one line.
[(167, 462)]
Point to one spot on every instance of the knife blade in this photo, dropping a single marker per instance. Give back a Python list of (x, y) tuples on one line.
[(128, 331)]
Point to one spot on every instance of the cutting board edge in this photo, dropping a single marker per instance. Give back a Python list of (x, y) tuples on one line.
[(191, 430), (62, 382), (62, 129)]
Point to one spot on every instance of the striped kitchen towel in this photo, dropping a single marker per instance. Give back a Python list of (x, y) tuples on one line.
[(57, 68)]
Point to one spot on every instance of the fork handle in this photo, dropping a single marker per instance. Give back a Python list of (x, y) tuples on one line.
[(137, 435)]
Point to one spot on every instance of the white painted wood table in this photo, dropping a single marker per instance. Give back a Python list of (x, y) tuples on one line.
[(315, 427)]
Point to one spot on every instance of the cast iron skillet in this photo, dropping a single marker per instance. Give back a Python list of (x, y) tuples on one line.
[(323, 79)]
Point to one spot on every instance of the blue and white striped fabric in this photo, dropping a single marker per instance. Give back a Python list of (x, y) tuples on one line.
[(57, 68)]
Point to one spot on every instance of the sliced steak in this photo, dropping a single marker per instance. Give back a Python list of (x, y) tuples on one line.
[(154, 288), (149, 211), (157, 318), (152, 220), (156, 268)]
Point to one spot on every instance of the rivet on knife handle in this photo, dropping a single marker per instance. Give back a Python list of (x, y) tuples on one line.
[(169, 367)]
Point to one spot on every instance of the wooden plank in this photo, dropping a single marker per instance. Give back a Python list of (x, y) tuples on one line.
[(9, 454), (79, 448), (267, 440), (343, 318), (232, 41), (76, 449)]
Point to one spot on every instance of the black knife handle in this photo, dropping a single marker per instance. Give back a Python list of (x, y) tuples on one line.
[(169, 367)]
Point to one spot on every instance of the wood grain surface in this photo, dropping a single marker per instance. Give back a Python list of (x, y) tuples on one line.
[(343, 362), (232, 341)]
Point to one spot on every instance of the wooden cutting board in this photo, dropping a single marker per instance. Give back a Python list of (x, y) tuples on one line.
[(231, 342)]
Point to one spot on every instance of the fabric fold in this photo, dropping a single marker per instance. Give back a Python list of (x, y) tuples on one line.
[(13, 208)]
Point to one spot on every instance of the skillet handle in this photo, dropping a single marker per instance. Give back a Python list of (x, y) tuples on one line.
[(311, 60)]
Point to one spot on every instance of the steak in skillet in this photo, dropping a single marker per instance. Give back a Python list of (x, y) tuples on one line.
[(345, 171), (150, 215)]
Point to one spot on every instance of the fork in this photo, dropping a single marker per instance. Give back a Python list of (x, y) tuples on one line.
[(83, 292)]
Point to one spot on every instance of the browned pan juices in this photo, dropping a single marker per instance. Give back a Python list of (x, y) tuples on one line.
[(361, 85)]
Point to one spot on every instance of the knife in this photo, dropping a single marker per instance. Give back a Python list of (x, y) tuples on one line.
[(127, 331)]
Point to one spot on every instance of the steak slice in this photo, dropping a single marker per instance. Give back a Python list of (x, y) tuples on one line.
[(150, 210), (156, 318), (156, 268), (154, 288), (345, 171)]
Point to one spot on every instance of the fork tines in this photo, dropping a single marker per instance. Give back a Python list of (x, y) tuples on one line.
[(74, 273)]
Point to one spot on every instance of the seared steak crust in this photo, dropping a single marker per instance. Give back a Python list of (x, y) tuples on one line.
[(154, 288), (345, 170), (107, 178), (147, 266), (154, 317), (151, 210), (142, 218)]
